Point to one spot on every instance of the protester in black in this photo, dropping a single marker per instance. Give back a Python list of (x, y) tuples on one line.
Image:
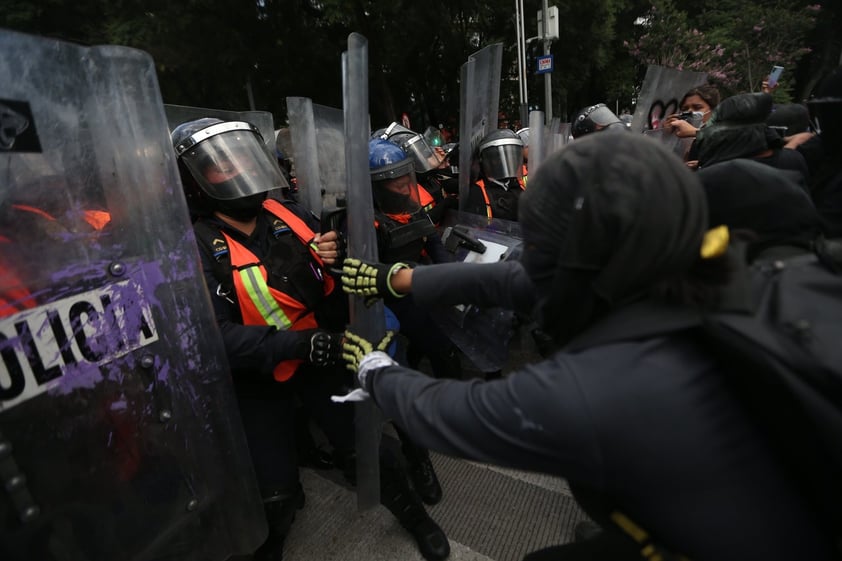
[(651, 427)]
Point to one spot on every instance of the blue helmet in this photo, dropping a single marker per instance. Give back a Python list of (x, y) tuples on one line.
[(387, 160)]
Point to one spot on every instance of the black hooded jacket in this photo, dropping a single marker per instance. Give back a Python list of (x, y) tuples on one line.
[(738, 129), (652, 425), (773, 204)]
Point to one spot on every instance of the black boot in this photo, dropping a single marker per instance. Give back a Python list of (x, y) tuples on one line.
[(424, 478), (280, 513), (309, 453), (420, 468), (396, 495)]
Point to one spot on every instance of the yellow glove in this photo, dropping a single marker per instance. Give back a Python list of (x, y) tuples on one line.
[(355, 348), (370, 280)]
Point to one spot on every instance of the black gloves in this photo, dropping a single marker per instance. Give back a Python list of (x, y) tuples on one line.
[(321, 348), (370, 280)]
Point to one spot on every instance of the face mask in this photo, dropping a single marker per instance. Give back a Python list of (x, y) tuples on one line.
[(242, 209)]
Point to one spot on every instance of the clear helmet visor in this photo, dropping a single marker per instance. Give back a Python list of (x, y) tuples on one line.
[(425, 157), (397, 194), (229, 161), (502, 159)]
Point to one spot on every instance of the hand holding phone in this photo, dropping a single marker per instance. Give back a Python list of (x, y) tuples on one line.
[(774, 76)]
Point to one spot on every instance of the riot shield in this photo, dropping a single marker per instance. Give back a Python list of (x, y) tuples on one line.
[(318, 141), (557, 136), (479, 98), (482, 334), (362, 244), (678, 146), (119, 434), (537, 141), (660, 94), (177, 114)]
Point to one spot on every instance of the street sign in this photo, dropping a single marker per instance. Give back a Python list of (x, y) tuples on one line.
[(545, 64)]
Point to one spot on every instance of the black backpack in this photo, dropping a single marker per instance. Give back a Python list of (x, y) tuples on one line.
[(780, 328)]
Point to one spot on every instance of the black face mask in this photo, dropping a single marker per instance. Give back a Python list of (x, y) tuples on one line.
[(395, 203), (242, 209)]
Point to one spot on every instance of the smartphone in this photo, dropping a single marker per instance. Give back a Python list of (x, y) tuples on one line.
[(775, 75)]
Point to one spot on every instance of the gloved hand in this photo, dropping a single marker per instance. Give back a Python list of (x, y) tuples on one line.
[(357, 352), (324, 348), (370, 280)]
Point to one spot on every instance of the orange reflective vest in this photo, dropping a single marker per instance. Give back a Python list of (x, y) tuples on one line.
[(425, 199), (260, 304), (488, 210)]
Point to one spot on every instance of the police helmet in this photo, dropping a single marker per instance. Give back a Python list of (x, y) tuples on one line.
[(227, 159), (501, 155), (595, 118), (414, 144), (387, 160), (392, 178), (523, 134)]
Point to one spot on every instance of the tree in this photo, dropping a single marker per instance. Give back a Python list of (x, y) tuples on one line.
[(736, 43)]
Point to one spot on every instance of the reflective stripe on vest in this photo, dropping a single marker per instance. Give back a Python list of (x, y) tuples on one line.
[(261, 304)]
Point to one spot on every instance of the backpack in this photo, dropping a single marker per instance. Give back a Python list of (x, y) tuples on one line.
[(779, 328)]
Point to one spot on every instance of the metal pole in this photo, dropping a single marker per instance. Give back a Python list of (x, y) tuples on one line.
[(524, 104), (548, 77), (519, 49)]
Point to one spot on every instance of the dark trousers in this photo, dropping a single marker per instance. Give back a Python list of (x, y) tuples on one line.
[(268, 415)]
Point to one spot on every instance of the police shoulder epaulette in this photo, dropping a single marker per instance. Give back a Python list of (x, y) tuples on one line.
[(219, 248), (279, 227)]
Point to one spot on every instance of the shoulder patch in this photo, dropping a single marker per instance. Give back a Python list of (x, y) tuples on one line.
[(279, 227), (219, 247)]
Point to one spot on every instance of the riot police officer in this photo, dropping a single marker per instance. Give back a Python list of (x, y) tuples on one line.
[(432, 168), (266, 269), (405, 234), (595, 118), (495, 194)]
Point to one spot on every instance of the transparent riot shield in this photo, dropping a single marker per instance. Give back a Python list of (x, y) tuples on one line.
[(362, 244), (318, 141), (537, 141), (177, 114), (660, 95), (482, 334), (556, 137), (479, 98), (119, 434)]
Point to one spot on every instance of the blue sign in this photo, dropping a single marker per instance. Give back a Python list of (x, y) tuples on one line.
[(545, 64)]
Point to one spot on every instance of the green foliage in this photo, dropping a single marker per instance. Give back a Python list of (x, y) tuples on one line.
[(736, 43), (212, 53)]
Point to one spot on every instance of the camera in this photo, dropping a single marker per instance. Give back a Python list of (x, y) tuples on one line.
[(685, 115)]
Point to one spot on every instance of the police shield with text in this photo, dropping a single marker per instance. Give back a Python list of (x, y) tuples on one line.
[(119, 436)]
